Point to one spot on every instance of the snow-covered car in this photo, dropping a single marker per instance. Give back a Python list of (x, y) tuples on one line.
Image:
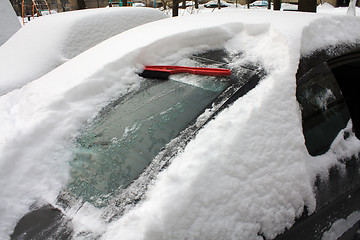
[(139, 4), (49, 41), (94, 151), (260, 3), (215, 4)]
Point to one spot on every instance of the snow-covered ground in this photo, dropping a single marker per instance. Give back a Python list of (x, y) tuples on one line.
[(325, 8), (246, 172)]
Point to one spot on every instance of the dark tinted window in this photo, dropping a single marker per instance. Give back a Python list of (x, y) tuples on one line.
[(324, 111), (347, 73)]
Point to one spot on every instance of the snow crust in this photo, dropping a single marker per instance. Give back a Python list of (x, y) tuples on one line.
[(247, 174), (47, 42), (9, 23)]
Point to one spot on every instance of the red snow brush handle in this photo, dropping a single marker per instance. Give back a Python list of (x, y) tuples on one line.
[(192, 70)]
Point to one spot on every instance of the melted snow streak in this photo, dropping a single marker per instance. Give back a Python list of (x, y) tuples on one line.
[(339, 227)]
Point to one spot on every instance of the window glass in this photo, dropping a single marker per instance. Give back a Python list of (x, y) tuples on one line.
[(124, 140), (347, 74), (324, 111), (117, 156)]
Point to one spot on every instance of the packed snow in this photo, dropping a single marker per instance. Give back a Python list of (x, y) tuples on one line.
[(47, 42), (246, 173), (9, 23)]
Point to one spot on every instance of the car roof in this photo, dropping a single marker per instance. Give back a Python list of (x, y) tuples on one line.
[(41, 47)]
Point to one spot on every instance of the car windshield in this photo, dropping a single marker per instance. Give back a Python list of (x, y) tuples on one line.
[(129, 133), (117, 147)]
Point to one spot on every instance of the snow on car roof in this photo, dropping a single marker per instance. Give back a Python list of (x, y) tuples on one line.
[(47, 42), (245, 173)]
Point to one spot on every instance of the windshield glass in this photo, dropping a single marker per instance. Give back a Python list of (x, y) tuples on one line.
[(124, 140)]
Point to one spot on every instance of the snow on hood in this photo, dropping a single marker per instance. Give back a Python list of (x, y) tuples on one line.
[(45, 43), (245, 173)]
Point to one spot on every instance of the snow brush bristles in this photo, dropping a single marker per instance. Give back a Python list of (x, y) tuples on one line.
[(163, 72)]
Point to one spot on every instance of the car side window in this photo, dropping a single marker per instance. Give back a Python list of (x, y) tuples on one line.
[(347, 71), (323, 107)]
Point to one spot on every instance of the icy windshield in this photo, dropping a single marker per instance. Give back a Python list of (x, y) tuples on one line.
[(124, 139)]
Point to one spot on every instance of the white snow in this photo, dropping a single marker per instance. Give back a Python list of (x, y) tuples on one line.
[(329, 9), (212, 3), (246, 172), (9, 23), (47, 42), (312, 40), (241, 182), (324, 8)]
